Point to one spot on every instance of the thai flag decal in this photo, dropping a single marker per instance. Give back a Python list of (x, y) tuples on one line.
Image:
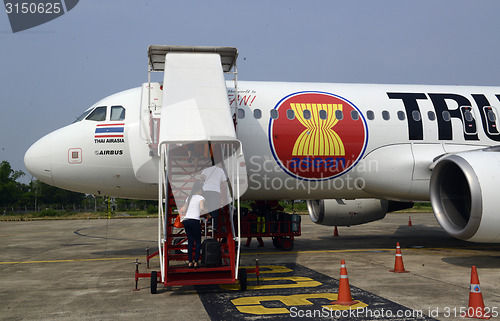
[(109, 130)]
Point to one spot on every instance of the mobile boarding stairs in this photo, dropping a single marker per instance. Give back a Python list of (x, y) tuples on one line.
[(191, 126)]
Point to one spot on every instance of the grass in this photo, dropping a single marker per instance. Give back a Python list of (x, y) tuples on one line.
[(418, 208), (62, 215), (48, 214)]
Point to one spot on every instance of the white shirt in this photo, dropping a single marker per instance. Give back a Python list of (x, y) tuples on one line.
[(213, 177), (193, 211)]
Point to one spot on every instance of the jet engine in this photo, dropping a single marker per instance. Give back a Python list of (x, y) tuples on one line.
[(340, 212), (464, 195)]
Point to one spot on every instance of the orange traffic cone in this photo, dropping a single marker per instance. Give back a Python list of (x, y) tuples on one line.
[(344, 295), (409, 221), (398, 264), (476, 303), (335, 232)]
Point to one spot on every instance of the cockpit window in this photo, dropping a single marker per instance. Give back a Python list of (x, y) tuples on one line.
[(98, 114), (117, 113), (82, 116)]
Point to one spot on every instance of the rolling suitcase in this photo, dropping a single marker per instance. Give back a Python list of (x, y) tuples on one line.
[(210, 252)]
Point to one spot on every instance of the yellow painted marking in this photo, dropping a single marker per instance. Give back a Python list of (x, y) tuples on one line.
[(299, 282), (334, 307), (319, 251), (261, 310), (438, 251), (253, 305), (74, 260), (273, 269)]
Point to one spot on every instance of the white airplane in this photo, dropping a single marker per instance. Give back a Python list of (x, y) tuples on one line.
[(353, 151)]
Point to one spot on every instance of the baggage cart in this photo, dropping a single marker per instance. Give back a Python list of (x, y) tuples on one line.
[(281, 227)]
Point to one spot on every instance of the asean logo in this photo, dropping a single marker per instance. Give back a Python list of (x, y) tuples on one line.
[(317, 135)]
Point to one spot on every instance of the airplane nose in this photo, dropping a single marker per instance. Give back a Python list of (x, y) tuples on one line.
[(37, 160)]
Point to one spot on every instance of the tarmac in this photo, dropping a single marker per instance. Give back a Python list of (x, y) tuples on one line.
[(84, 270)]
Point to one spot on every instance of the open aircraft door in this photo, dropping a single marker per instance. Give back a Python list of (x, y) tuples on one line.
[(197, 132)]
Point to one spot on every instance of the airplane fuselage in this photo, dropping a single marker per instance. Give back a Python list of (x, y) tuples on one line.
[(301, 140)]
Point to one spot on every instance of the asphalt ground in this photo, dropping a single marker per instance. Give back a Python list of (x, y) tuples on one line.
[(84, 270)]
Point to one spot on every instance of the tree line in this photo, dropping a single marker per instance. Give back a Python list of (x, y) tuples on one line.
[(17, 197)]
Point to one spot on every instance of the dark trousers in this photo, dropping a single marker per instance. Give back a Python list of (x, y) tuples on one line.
[(212, 200), (193, 232), (259, 239)]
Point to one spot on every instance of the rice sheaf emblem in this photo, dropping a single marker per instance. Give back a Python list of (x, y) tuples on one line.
[(317, 135)]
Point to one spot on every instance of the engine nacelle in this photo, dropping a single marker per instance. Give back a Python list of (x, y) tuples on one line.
[(335, 212), (465, 197)]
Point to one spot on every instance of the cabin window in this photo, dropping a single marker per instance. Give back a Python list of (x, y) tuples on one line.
[(491, 115), (98, 114), (469, 121), (339, 115), (257, 114), (354, 115), (386, 115), (370, 115), (416, 115), (290, 114), (401, 115), (307, 114), (468, 116), (117, 113), (431, 115), (446, 115), (241, 113), (274, 114), (323, 115), (491, 120)]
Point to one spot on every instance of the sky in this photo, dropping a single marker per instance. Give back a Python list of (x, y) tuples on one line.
[(51, 73)]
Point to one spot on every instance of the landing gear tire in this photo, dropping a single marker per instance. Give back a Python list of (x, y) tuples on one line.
[(243, 279), (154, 282)]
